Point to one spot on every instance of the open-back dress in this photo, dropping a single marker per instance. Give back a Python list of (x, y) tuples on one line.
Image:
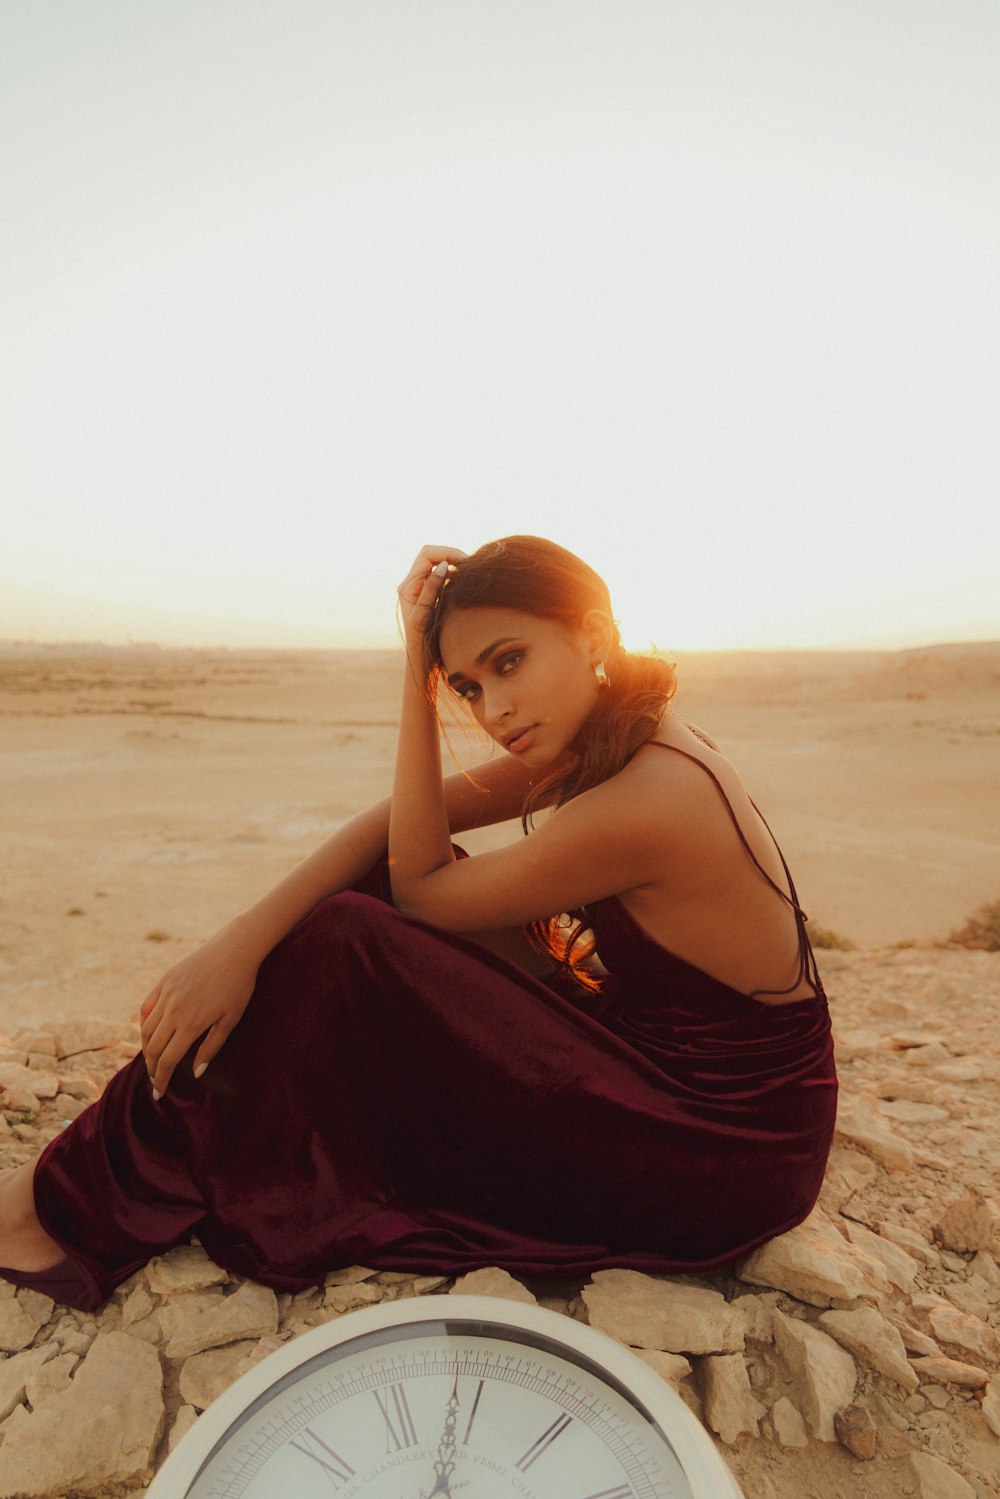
[(400, 1097)]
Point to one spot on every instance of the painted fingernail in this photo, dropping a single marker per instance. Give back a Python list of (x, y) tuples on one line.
[(201, 1069), (156, 1096), (441, 571)]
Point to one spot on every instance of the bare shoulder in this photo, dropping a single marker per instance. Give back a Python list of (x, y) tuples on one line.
[(679, 775)]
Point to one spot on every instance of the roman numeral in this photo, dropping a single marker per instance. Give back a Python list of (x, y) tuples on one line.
[(472, 1413), (544, 1442), (399, 1427), (333, 1466)]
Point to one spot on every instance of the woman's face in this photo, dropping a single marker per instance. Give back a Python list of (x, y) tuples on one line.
[(528, 681)]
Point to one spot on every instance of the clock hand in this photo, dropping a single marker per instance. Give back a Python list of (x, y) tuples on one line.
[(444, 1462)]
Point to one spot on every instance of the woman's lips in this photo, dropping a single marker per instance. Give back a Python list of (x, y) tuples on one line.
[(521, 740)]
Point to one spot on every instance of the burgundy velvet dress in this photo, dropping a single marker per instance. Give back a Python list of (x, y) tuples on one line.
[(400, 1097)]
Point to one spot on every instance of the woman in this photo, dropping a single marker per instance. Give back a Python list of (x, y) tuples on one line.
[(416, 1084)]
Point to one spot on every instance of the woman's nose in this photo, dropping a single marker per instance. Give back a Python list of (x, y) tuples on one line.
[(496, 705)]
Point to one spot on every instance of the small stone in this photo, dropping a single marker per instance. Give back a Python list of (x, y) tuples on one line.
[(68, 1107), (730, 1407), (856, 1431), (789, 1427), (913, 1242), (22, 1316), (342, 1299), (38, 1307), (862, 1127), (930, 1394), (873, 1341), (80, 1086), (137, 1304), (43, 1043), (935, 1480), (909, 1040), (900, 1266), (985, 1266), (425, 1285), (975, 1297), (201, 1320), (905, 1112), (186, 1417), (645, 1312), (186, 1268), (20, 1100), (914, 1341), (940, 1370), (823, 1371), (931, 1054), (204, 1376), (970, 1222), (492, 1282), (100, 1432), (672, 1367), (41, 1084), (991, 1410), (348, 1276), (758, 1315), (148, 1329), (75, 1036), (967, 1333)]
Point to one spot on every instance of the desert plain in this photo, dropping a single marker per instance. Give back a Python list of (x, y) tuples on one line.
[(149, 793)]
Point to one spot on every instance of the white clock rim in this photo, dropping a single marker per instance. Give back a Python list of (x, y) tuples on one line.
[(706, 1470)]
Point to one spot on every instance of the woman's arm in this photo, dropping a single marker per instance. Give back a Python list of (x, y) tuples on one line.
[(419, 840), (206, 993)]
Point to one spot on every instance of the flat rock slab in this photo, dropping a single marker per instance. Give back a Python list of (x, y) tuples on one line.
[(815, 1263), (935, 1480), (102, 1430), (201, 1319), (873, 1341), (492, 1281), (644, 1312), (824, 1373), (730, 1407), (187, 1268)]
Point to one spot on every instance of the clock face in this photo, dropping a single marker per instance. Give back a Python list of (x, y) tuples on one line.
[(446, 1405)]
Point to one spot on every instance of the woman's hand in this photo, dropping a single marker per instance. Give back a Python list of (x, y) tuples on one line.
[(205, 992), (419, 589)]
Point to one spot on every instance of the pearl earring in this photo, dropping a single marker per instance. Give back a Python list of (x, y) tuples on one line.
[(601, 674)]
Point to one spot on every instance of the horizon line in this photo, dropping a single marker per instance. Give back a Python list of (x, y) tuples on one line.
[(15, 643)]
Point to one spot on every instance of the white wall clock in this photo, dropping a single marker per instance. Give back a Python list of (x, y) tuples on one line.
[(448, 1397)]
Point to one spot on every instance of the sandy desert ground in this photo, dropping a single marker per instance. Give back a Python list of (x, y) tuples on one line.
[(148, 794)]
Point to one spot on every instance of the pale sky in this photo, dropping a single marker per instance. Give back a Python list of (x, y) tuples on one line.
[(704, 289)]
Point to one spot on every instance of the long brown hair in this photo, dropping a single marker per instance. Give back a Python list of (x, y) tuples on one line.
[(534, 576)]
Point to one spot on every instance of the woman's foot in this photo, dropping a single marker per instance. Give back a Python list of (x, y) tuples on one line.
[(24, 1244)]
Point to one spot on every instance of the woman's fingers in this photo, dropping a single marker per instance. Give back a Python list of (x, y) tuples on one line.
[(421, 586), (211, 1046), (428, 559), (166, 1060)]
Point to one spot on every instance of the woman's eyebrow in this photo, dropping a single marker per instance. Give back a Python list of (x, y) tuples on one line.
[(484, 655)]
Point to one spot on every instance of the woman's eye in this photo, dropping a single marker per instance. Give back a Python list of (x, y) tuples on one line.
[(508, 663), (467, 693)]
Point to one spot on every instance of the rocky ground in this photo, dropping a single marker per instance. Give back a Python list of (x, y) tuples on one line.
[(852, 1356)]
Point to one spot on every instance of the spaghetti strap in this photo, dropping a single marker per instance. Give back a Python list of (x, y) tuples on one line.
[(808, 970)]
